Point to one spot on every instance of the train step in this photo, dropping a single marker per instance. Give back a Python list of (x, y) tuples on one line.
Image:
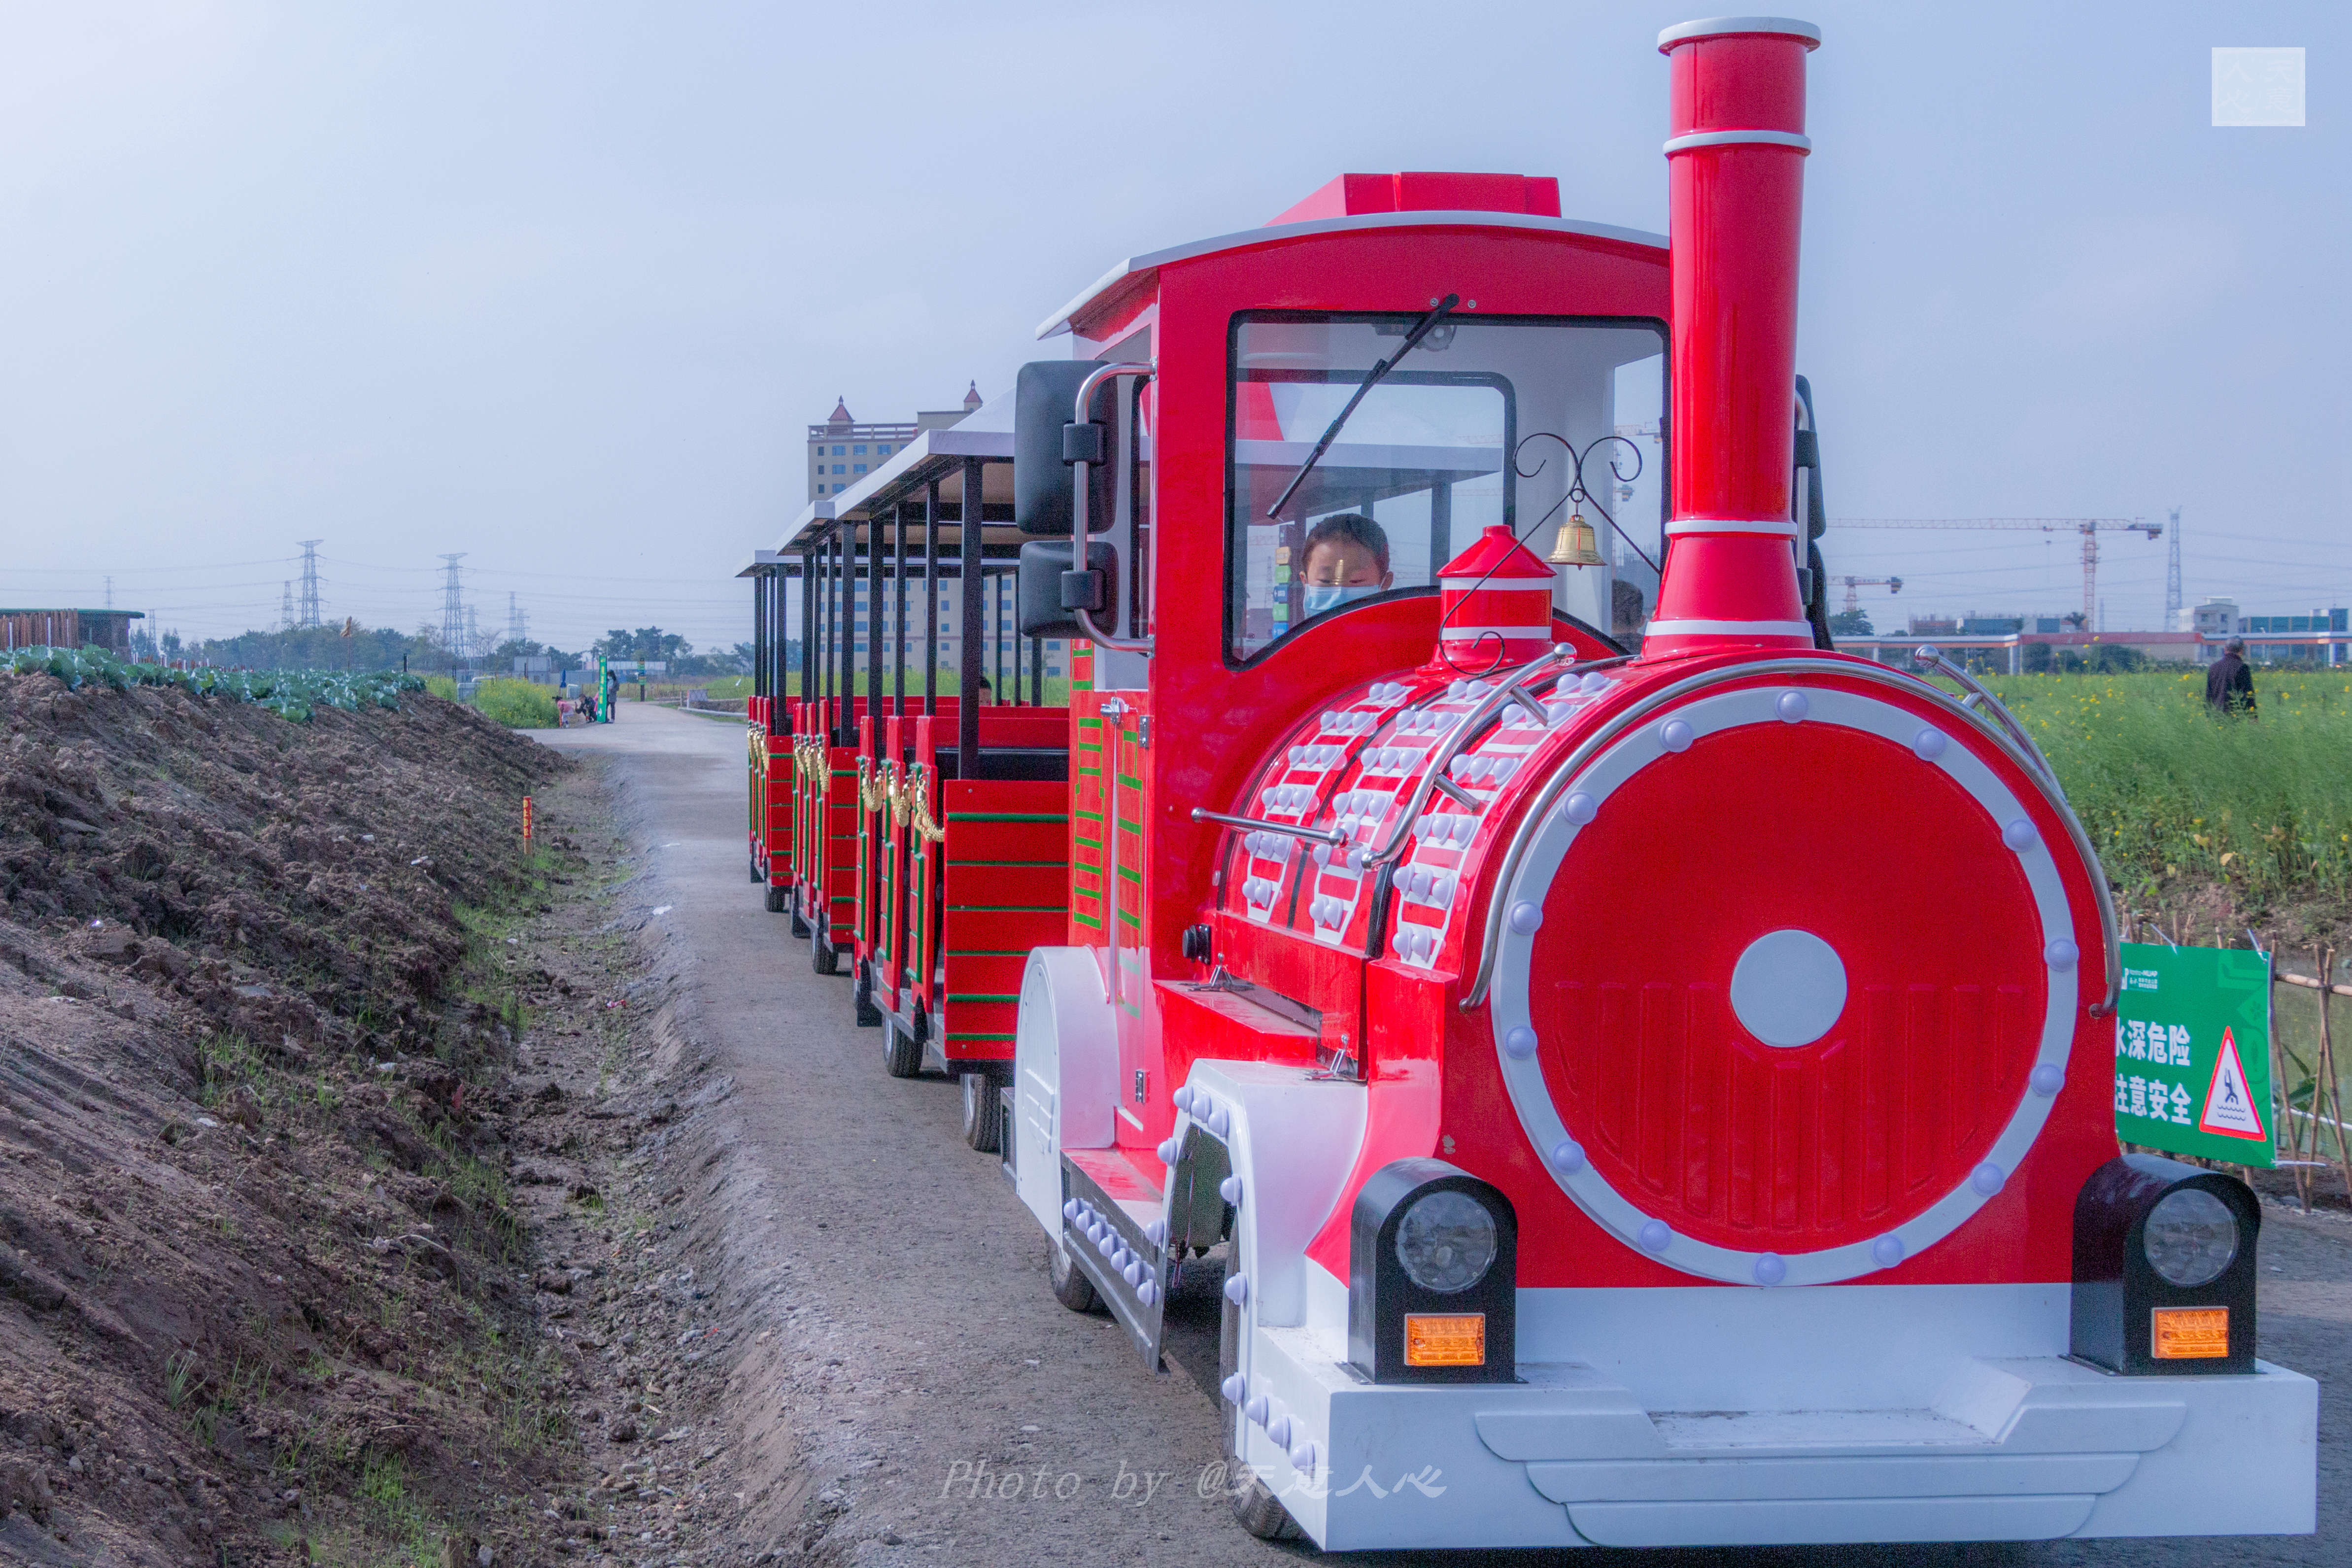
[(1232, 1027)]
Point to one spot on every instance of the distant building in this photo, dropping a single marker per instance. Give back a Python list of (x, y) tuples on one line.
[(842, 451), (2315, 637), (109, 629), (2213, 618)]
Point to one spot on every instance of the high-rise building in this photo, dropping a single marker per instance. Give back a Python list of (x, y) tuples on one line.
[(842, 451), (998, 615)]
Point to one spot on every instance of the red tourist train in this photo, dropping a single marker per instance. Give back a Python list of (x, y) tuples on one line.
[(1477, 1004)]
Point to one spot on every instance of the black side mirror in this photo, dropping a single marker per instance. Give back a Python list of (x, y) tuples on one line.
[(1043, 397), (1049, 589)]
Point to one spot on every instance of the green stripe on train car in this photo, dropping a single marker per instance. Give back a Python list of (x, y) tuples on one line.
[(1134, 919), (1085, 919), (1132, 875), (1089, 843), (957, 1035), (1091, 816), (979, 996), (1130, 782)]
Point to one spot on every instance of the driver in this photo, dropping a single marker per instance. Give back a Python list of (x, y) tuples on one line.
[(1346, 559)]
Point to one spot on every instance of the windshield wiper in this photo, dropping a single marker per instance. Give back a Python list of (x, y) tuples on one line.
[(1420, 329)]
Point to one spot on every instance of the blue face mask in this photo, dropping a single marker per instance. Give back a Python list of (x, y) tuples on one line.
[(1322, 596)]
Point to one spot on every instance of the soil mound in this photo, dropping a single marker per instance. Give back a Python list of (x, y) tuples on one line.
[(256, 1234)]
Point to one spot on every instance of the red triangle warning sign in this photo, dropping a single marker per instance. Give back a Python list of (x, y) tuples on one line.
[(2229, 1108)]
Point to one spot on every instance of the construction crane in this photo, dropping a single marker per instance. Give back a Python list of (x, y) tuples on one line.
[(2090, 527), (1854, 600)]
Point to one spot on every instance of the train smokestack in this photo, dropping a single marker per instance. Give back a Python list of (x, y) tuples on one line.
[(1735, 183)]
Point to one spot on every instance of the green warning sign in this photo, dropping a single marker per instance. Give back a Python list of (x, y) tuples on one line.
[(2193, 1052)]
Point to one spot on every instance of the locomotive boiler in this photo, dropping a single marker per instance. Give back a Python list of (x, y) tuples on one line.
[(1464, 944)]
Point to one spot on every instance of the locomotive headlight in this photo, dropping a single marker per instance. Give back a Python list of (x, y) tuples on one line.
[(2164, 1270), (2190, 1237), (1432, 1277), (1447, 1242)]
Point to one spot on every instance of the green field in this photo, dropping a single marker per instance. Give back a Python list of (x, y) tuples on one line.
[(2180, 800), (517, 704)]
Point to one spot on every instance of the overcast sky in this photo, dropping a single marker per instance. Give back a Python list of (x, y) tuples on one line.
[(559, 286)]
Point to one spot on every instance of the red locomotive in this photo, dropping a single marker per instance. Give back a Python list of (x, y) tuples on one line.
[(1587, 1166)]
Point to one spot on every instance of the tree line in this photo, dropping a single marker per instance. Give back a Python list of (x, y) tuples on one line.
[(350, 646)]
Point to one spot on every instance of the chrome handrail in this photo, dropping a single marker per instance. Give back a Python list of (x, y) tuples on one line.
[(1927, 653), (1858, 670), (1330, 836), (1079, 496), (1449, 745)]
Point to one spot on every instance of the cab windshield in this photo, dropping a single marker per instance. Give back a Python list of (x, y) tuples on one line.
[(1466, 431)]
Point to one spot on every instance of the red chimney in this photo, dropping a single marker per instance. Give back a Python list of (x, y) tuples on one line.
[(1735, 194)]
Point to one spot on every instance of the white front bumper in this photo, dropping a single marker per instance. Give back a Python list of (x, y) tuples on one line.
[(2009, 1449)]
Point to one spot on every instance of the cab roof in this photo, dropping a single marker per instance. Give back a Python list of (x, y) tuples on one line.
[(1361, 202)]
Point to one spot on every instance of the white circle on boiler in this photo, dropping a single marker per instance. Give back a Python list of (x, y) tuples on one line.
[(1787, 988)]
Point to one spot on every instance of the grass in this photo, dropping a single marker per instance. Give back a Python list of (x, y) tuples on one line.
[(2174, 796), (230, 1061), (517, 704), (179, 1379)]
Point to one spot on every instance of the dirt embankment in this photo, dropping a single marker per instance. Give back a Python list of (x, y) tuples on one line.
[(264, 1293)]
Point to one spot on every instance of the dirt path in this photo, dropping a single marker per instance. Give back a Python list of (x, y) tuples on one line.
[(899, 1386)]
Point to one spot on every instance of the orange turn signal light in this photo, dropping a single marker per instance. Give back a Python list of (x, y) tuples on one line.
[(2189, 1333), (1445, 1339)]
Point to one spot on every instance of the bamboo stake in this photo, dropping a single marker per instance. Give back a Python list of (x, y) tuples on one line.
[(2284, 1108), (2327, 1077)]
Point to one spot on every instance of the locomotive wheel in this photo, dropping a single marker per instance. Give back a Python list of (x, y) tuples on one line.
[(1072, 1288), (902, 1054), (776, 901), (862, 995), (823, 957), (1254, 1505), (979, 1111), (800, 922)]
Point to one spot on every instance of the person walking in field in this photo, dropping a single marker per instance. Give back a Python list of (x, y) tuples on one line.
[(2230, 683)]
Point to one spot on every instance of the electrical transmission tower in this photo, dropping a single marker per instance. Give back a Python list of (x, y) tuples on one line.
[(453, 611), (518, 623), (286, 610), (110, 593), (2172, 575), (311, 581), (473, 637)]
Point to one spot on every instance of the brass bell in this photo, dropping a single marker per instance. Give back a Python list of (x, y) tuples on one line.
[(1575, 544)]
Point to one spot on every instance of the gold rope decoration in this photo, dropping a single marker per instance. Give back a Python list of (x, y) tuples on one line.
[(918, 808)]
